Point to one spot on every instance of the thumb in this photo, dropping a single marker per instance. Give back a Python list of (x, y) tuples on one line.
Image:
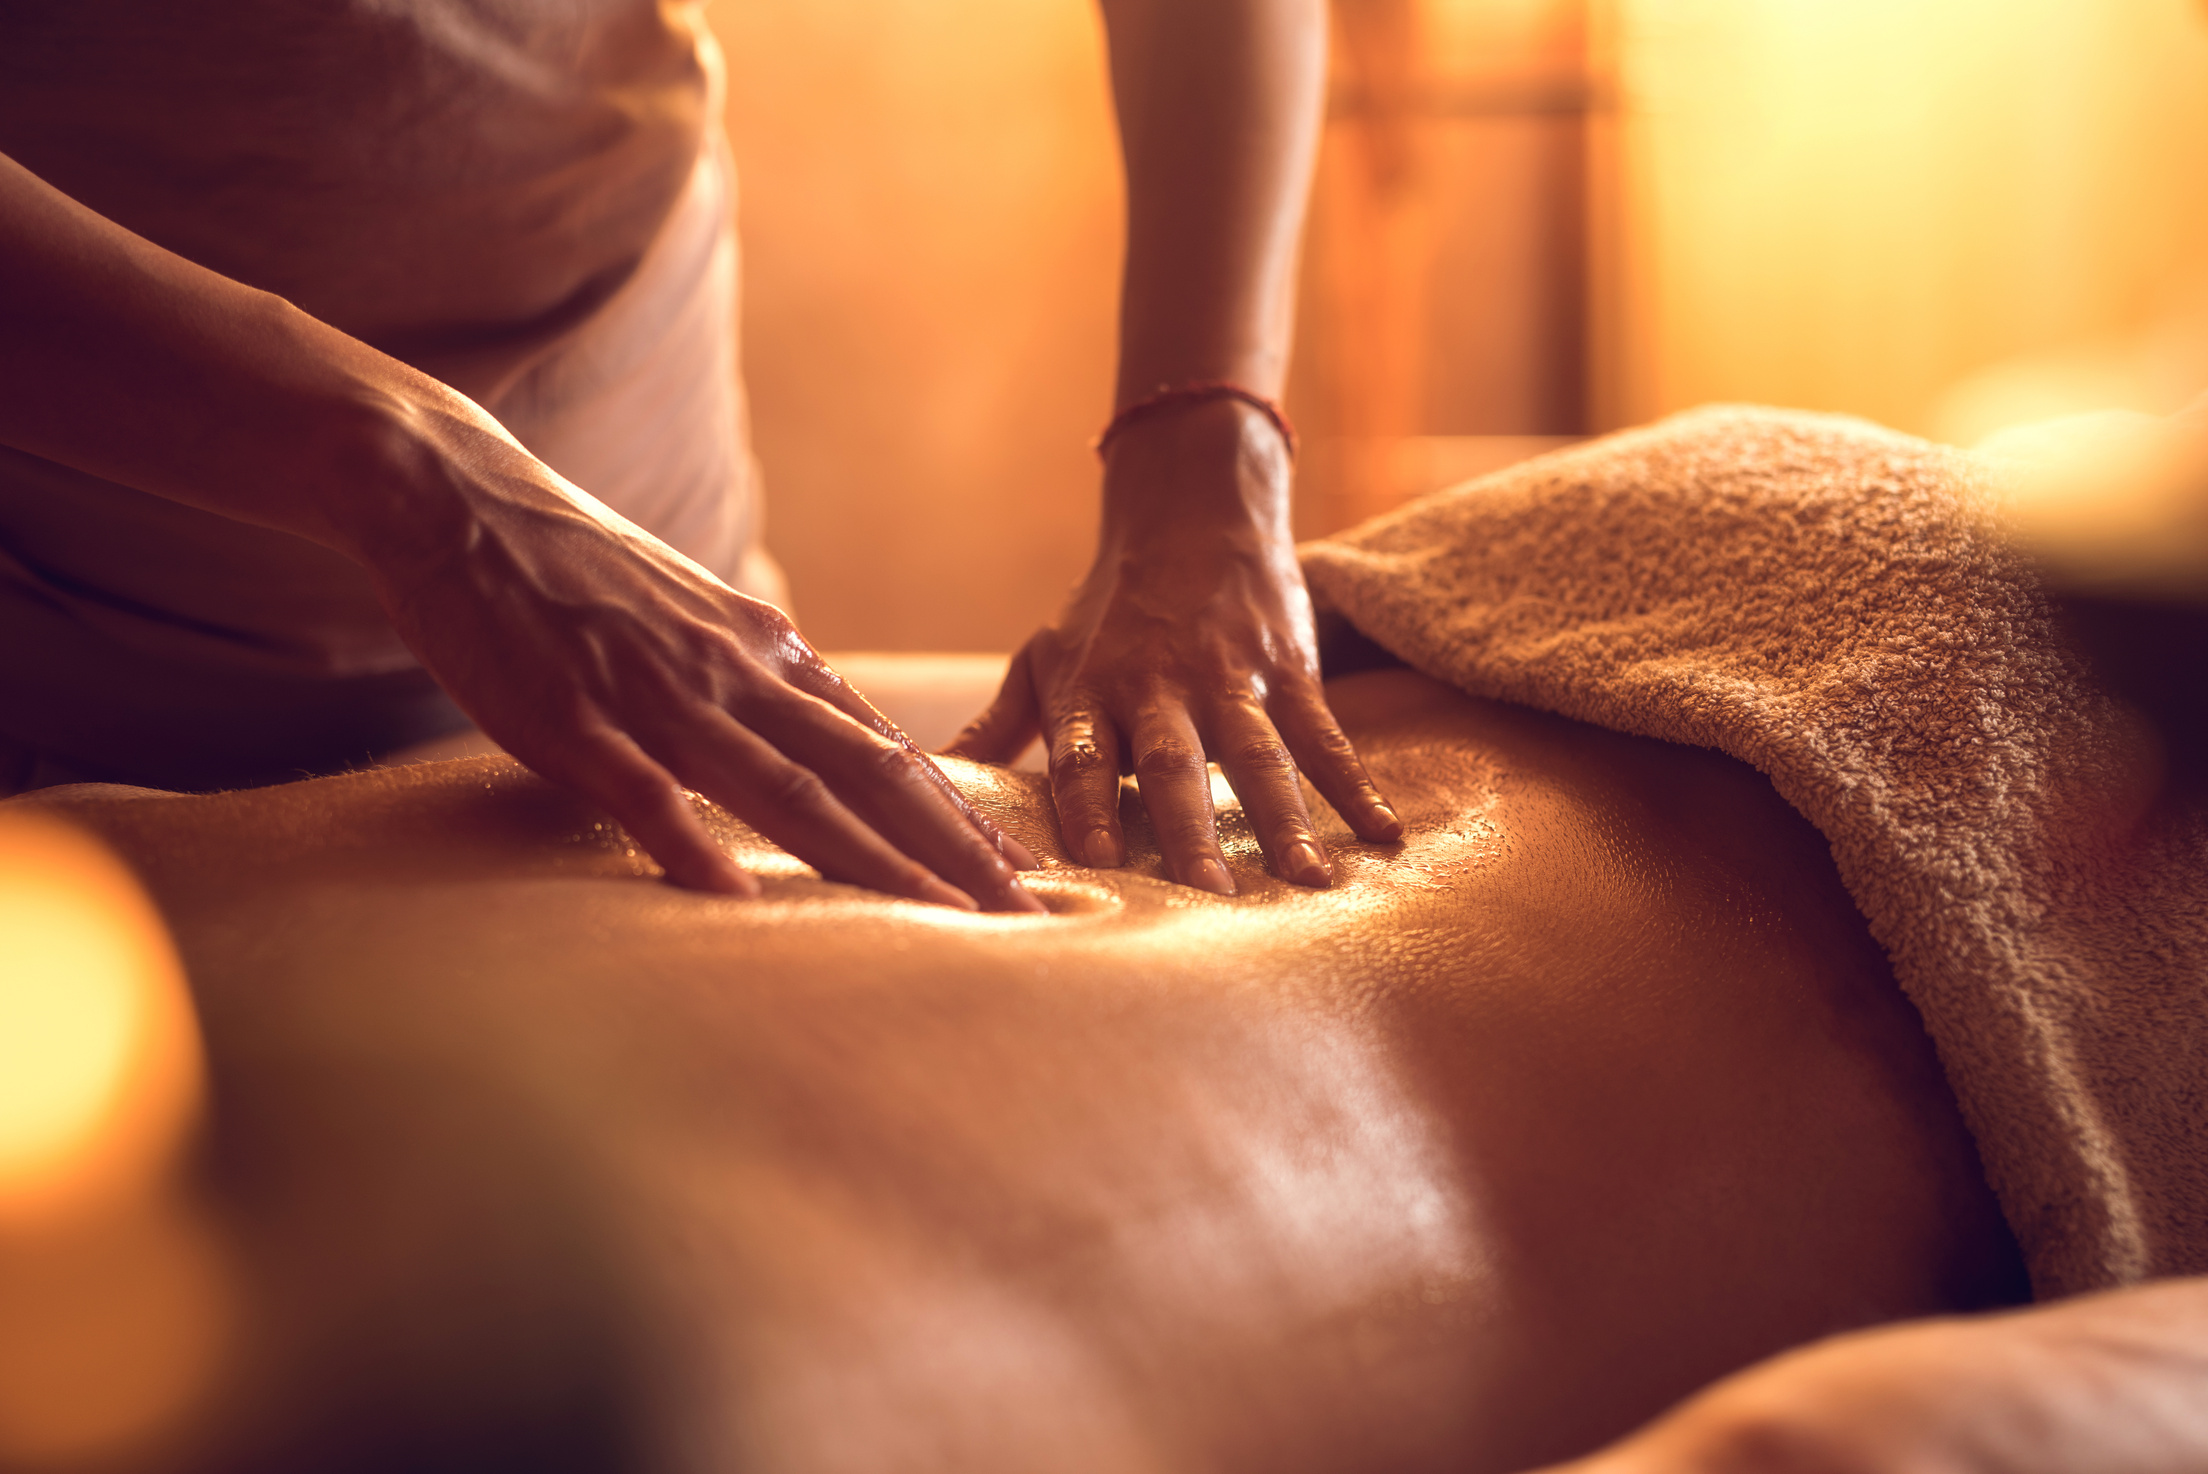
[(1003, 731)]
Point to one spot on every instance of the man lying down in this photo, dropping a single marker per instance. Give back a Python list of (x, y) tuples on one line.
[(1598, 1088)]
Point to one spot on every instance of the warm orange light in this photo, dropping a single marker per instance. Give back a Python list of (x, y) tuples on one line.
[(114, 1335), (99, 1055), (116, 1284), (1855, 206), (2115, 501)]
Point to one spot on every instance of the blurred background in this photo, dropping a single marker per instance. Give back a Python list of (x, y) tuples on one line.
[(1533, 220)]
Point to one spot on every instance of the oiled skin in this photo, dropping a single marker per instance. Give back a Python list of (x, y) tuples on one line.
[(1593, 1090)]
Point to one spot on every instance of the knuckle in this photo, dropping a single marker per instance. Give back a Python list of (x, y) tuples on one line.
[(1329, 741), (1169, 757), (898, 764), (1078, 758), (771, 619), (793, 786), (743, 611), (1262, 755)]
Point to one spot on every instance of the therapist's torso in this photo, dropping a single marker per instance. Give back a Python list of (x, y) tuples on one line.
[(450, 180), (523, 198)]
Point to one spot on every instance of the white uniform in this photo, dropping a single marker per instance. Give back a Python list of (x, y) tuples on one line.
[(532, 202)]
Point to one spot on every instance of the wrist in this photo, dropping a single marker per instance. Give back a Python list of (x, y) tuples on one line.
[(1218, 463), (1165, 399), (357, 451), (381, 483)]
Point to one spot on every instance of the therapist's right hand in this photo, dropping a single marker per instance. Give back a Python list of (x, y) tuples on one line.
[(587, 648), (620, 670)]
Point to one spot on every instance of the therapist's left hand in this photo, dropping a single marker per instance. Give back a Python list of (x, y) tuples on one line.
[(1191, 638)]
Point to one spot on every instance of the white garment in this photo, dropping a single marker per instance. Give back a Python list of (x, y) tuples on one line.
[(643, 407), (148, 641)]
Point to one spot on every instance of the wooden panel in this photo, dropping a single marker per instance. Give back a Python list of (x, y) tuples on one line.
[(1444, 287), (930, 211), (931, 218)]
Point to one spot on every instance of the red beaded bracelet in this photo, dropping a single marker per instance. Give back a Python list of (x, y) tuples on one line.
[(1168, 395)]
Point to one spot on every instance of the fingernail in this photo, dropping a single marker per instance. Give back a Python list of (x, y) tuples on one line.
[(1302, 863), (932, 889), (1102, 853), (1017, 855), (1210, 875), (1390, 826)]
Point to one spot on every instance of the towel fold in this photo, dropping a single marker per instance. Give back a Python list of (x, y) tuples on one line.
[(1835, 604)]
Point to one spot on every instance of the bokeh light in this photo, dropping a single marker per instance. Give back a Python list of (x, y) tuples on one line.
[(117, 1282), (99, 1056)]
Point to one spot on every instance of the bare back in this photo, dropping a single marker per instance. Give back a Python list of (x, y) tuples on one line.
[(1595, 1090)]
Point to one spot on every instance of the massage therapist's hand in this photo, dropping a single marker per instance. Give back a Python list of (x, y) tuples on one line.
[(621, 670), (1192, 634), (591, 651), (2103, 1384), (1191, 637)]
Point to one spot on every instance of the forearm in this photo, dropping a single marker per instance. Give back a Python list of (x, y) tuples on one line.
[(1191, 636), (125, 360), (1219, 106), (587, 648)]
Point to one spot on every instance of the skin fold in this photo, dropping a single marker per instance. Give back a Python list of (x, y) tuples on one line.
[(1589, 1092)]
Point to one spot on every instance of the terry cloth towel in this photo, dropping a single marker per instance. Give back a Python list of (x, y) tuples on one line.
[(1834, 604)]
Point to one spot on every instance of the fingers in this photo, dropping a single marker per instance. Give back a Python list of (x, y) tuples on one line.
[(1263, 776), (815, 678), (1260, 763), (1084, 780), (886, 788), (627, 673), (1326, 757), (1176, 791), (795, 807), (610, 770), (1002, 732)]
